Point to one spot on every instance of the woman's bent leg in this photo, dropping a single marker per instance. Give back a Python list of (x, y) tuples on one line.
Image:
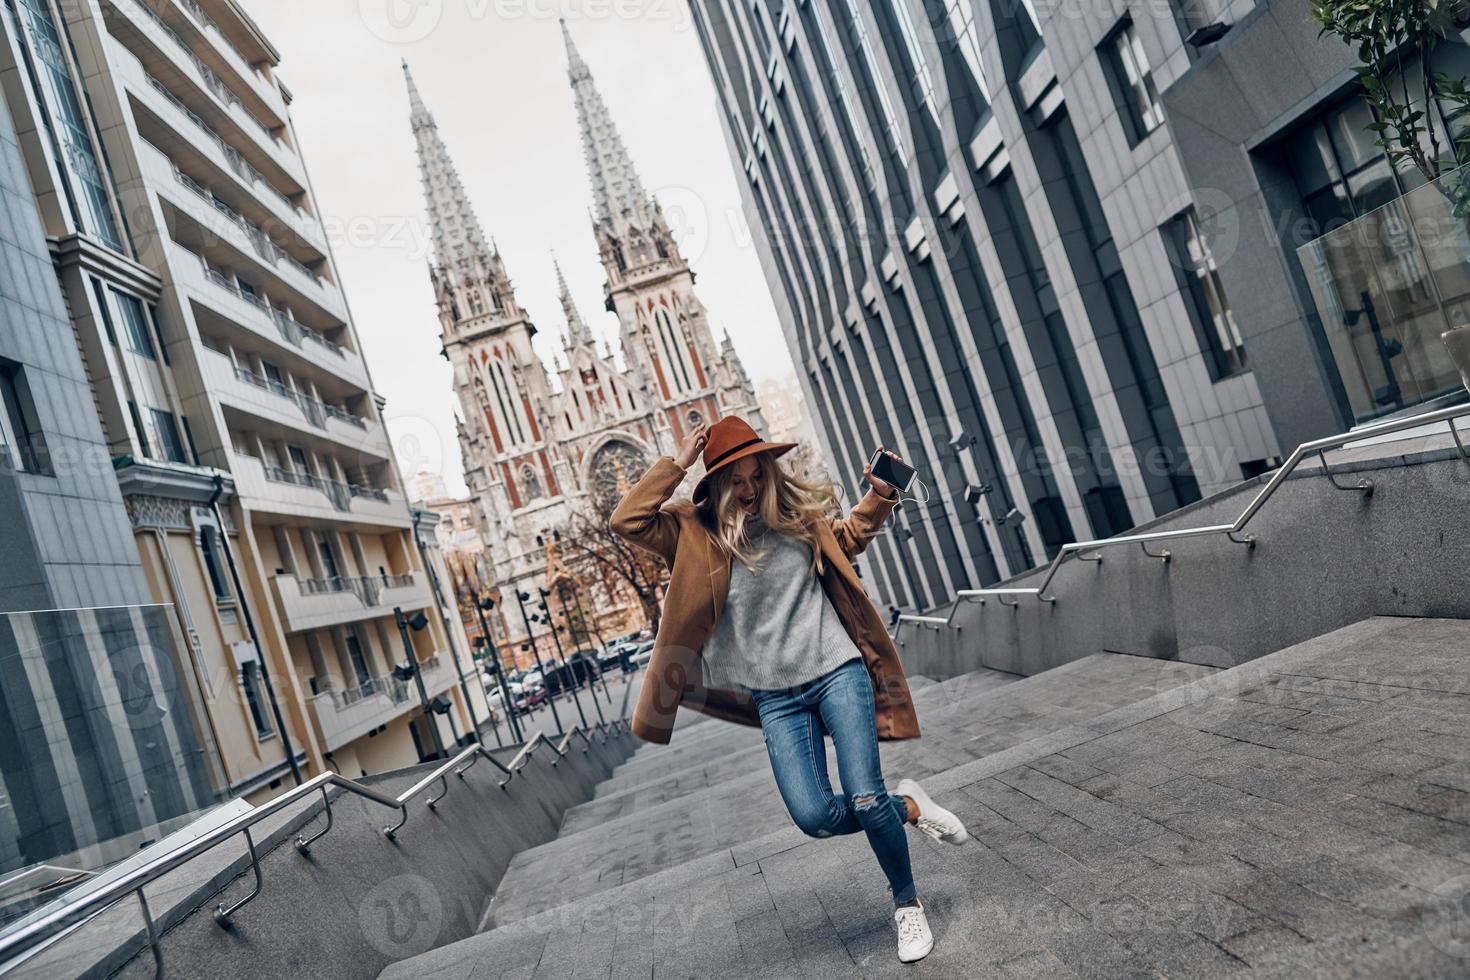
[(794, 741), (846, 706)]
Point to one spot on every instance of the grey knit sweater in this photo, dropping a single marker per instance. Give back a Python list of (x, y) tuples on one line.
[(777, 629)]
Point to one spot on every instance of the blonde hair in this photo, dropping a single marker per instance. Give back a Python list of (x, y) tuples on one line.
[(786, 505)]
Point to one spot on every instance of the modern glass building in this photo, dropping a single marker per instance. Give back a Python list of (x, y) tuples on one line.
[(984, 252), (1085, 266)]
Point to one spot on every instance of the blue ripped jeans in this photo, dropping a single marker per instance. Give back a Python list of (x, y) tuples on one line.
[(795, 720)]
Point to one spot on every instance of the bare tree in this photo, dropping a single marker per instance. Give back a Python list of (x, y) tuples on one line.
[(589, 542)]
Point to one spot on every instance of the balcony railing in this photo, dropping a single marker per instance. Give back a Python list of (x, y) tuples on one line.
[(316, 411), (388, 686), (293, 331), (242, 167), (368, 588), (264, 246), (339, 493), (197, 12), (212, 81)]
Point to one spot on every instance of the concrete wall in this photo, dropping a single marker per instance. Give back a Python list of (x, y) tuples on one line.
[(360, 901), (1324, 558)]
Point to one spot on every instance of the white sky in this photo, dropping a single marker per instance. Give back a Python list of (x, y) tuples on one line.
[(493, 72)]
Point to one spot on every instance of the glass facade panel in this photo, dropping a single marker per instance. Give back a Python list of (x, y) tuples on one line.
[(1386, 286), (103, 746)]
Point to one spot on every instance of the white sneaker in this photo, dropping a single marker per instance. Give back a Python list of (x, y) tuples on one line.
[(914, 938), (934, 819)]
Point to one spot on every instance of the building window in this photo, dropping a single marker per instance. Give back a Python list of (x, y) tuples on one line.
[(530, 484), (923, 80), (167, 431), (1209, 310), (1132, 81), (961, 15), (211, 548), (70, 120), (135, 325), (875, 81), (1339, 169), (104, 311), (20, 427), (695, 420), (142, 433), (255, 700)]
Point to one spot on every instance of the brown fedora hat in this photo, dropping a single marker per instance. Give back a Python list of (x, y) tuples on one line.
[(729, 439)]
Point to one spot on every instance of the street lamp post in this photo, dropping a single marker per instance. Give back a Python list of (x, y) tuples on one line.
[(419, 622), (561, 654), (510, 712), (601, 644), (521, 598)]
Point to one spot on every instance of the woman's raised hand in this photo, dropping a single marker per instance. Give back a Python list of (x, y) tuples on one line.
[(884, 488), (692, 446)]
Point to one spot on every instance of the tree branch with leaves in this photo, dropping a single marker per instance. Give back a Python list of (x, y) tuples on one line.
[(1391, 38)]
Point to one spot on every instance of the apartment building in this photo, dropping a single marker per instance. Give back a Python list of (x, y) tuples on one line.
[(985, 251), (229, 381)]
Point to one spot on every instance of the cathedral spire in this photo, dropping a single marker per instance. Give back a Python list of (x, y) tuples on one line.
[(617, 194), (578, 332), (459, 241), (469, 276)]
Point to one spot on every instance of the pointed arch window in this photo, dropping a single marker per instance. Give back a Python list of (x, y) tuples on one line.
[(673, 350), (505, 399)]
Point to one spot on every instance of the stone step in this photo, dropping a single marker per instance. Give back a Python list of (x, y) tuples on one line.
[(656, 832), (715, 749), (611, 800), (1305, 814)]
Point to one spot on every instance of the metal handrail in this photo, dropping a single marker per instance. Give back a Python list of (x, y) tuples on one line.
[(73, 913), (1088, 550)]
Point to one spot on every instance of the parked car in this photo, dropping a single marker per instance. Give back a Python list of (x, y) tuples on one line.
[(529, 698), (642, 653), (609, 656)]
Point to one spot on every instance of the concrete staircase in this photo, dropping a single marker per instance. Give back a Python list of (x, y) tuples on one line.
[(1307, 813)]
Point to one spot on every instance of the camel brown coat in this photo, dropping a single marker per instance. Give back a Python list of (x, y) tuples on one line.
[(699, 581)]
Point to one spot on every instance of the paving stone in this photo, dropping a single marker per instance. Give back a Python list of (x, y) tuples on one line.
[(1307, 814)]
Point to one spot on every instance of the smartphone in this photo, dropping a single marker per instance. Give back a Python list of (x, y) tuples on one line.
[(892, 471)]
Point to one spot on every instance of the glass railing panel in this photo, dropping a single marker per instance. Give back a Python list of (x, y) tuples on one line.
[(107, 747), (1386, 285)]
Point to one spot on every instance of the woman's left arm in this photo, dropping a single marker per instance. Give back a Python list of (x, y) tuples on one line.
[(859, 527)]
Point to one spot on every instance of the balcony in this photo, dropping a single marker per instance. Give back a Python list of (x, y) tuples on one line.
[(164, 121), (342, 716), (305, 496), (205, 222), (279, 403), (223, 298), (169, 57), (311, 603), (224, 53)]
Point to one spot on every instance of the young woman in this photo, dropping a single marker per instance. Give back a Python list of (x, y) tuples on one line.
[(766, 623)]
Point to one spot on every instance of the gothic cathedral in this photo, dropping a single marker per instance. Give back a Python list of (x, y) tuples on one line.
[(542, 446)]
